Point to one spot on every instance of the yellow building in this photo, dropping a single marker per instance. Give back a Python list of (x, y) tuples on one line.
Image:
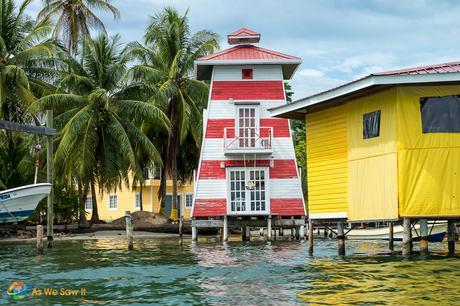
[(114, 205), (384, 147)]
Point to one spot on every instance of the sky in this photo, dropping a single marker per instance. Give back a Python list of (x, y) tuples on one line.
[(338, 40)]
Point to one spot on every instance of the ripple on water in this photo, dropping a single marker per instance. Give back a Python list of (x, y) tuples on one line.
[(162, 271)]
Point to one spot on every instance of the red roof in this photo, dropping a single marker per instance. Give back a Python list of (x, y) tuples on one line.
[(430, 69), (247, 52), (244, 32)]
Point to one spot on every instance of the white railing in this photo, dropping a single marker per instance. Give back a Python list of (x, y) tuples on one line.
[(257, 139)]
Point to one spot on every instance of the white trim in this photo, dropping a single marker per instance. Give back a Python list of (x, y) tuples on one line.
[(246, 62), (137, 194), (340, 215), (108, 202), (371, 80), (185, 202), (243, 36)]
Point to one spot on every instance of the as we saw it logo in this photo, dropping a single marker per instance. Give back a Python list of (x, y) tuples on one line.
[(18, 290)]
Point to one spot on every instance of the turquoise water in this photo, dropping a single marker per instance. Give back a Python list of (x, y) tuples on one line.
[(162, 271)]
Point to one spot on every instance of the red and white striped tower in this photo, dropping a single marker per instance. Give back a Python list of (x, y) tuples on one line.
[(247, 163)]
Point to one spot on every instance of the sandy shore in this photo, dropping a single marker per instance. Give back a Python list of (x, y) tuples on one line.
[(97, 235)]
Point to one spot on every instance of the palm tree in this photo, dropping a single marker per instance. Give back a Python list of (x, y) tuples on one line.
[(165, 70), (96, 120), (75, 18)]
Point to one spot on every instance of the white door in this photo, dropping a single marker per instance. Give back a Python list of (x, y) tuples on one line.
[(248, 191), (247, 125)]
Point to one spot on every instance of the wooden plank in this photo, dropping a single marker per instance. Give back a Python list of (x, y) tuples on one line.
[(27, 128)]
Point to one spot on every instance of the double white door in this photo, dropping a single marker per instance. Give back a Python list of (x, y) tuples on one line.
[(248, 191)]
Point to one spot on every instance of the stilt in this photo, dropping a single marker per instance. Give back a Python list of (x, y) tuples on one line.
[(292, 233), (451, 237), (310, 237), (269, 228), (39, 239), (225, 229), (325, 232), (181, 224), (407, 238), (247, 233), (297, 232), (194, 233), (261, 232), (129, 229), (424, 236), (302, 232), (281, 232), (391, 245), (340, 238)]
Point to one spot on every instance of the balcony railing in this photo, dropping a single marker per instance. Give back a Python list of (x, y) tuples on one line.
[(248, 140)]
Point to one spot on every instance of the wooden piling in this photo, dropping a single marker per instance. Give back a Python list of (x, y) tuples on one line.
[(181, 223), (129, 230), (302, 232), (424, 236), (451, 237), (39, 239), (340, 239), (247, 233), (407, 238), (310, 237), (269, 228), (325, 232), (194, 233), (225, 229), (391, 245)]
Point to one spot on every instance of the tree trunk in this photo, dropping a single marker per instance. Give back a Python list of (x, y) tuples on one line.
[(83, 192), (141, 206), (95, 213), (174, 210)]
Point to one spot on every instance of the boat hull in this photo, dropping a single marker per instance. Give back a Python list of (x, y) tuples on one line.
[(436, 231), (18, 204)]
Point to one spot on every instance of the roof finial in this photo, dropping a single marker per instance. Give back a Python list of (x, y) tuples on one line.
[(243, 36)]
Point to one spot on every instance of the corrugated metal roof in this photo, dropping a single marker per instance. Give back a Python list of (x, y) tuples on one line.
[(247, 52), (243, 32), (430, 69)]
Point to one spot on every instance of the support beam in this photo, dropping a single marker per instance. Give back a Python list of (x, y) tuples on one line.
[(129, 229), (194, 231), (269, 228), (451, 237), (225, 229), (407, 238), (247, 233), (49, 176), (340, 239), (39, 239), (424, 236), (391, 245), (27, 128), (302, 232), (310, 237)]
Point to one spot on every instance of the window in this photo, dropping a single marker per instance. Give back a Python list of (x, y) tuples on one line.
[(89, 204), (152, 174), (247, 123), (113, 202), (246, 74), (248, 190), (371, 125), (440, 114), (188, 200), (137, 200)]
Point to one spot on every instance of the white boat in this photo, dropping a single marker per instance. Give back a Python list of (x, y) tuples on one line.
[(436, 230), (19, 203)]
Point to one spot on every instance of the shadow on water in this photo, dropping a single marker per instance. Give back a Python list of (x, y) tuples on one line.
[(163, 271)]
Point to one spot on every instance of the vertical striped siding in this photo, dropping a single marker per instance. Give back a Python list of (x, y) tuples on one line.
[(327, 161)]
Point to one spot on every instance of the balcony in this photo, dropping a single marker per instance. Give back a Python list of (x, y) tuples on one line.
[(254, 140)]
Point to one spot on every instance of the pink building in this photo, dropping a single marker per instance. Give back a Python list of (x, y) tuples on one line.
[(247, 164)]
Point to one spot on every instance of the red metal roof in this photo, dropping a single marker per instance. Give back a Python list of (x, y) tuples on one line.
[(247, 52), (243, 32), (430, 69)]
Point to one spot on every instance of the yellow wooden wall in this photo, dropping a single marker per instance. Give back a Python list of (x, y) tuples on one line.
[(149, 196), (327, 163)]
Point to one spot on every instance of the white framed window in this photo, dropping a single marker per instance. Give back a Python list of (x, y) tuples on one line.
[(89, 204), (188, 200), (247, 125), (248, 191), (137, 200), (113, 202)]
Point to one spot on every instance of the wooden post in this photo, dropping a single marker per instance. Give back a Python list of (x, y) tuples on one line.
[(341, 238), (391, 246), (269, 228), (225, 230), (49, 177), (39, 239), (407, 238), (325, 232), (129, 229), (310, 237), (424, 236), (281, 233), (302, 232), (451, 237), (194, 233), (247, 233), (181, 224)]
